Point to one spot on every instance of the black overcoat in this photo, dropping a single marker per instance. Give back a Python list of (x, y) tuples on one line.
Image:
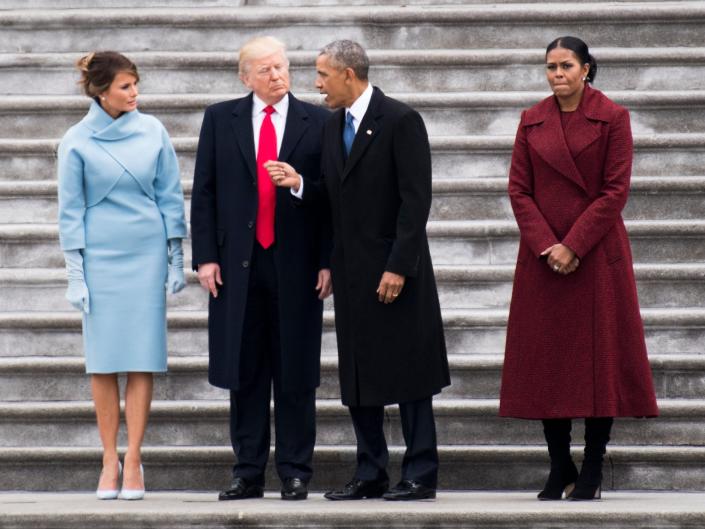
[(380, 200), (223, 213)]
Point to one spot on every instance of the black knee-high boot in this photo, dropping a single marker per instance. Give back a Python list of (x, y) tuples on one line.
[(597, 435), (563, 471)]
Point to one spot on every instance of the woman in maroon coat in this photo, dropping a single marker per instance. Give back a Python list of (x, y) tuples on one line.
[(575, 340)]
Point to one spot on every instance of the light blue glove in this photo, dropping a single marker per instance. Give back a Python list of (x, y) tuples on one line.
[(175, 281), (77, 291)]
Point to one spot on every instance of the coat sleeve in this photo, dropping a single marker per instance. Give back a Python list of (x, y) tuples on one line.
[(412, 158), (606, 209), (72, 198), (533, 227), (314, 189), (315, 196), (203, 198), (167, 190)]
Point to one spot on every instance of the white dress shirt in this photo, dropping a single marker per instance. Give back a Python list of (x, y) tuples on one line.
[(359, 107), (278, 118)]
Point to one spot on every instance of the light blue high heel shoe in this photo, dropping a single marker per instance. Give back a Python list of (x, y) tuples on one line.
[(133, 494), (109, 494)]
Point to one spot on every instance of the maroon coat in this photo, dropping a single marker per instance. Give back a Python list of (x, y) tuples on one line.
[(575, 344)]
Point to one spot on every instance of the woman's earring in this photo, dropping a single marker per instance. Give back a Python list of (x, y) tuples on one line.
[(584, 78)]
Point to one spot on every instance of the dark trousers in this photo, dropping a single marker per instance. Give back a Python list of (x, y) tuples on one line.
[(420, 462), (260, 368)]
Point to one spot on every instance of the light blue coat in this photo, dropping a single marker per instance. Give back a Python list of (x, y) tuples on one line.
[(120, 199)]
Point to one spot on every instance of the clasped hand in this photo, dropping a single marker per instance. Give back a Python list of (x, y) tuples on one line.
[(561, 259), (283, 174)]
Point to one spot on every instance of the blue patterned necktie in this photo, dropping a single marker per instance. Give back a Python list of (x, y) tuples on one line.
[(348, 133)]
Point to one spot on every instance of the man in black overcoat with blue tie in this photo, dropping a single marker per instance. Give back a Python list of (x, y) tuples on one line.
[(376, 179), (265, 262)]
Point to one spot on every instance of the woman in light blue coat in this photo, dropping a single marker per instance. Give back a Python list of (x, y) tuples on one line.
[(121, 221)]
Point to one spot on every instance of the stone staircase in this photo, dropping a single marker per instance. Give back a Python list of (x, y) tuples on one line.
[(469, 68)]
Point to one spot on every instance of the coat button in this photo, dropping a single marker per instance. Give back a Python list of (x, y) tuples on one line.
[(245, 264), (250, 224)]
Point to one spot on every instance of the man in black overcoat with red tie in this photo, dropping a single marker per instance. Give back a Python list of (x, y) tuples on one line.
[(265, 262)]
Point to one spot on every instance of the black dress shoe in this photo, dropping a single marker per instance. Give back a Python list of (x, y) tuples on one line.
[(294, 489), (358, 489), (408, 489), (241, 489)]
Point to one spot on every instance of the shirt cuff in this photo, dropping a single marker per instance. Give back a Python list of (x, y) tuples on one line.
[(300, 193)]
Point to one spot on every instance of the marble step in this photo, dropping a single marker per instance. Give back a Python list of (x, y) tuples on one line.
[(51, 379), (458, 157), (462, 113), (451, 509), (465, 26), (467, 332), (394, 70), (82, 4), (452, 243), (459, 287), (459, 422), (672, 197), (208, 468)]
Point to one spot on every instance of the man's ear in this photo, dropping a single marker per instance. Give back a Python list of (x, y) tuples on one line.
[(243, 79)]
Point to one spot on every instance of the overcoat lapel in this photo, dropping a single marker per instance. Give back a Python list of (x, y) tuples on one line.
[(587, 130), (366, 133), (242, 127), (337, 139), (548, 140), (296, 125)]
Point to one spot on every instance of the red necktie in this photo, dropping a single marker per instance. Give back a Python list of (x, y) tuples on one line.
[(266, 199)]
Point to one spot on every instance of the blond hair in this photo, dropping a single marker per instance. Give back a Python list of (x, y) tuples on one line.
[(258, 48)]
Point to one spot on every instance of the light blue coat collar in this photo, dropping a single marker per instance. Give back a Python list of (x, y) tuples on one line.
[(106, 128)]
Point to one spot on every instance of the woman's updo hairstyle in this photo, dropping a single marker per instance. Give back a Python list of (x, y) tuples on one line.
[(99, 68), (581, 51)]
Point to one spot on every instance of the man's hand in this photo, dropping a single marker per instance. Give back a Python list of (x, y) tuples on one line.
[(561, 259), (390, 287), (325, 284), (209, 277), (283, 175)]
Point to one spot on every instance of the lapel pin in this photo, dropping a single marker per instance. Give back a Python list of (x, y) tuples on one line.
[(369, 132)]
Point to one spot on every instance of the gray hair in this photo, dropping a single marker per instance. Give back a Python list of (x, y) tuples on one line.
[(348, 54)]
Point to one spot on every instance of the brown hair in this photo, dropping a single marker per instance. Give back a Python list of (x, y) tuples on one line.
[(99, 68)]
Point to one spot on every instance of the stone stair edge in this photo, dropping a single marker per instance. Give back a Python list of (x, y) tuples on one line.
[(452, 318), (179, 365), (434, 228), (441, 186), (473, 99), (501, 509), (177, 455), (359, 15), (378, 57), (489, 185), (444, 273), (189, 409), (500, 143)]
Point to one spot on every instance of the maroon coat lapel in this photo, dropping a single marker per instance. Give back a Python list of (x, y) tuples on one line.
[(546, 138)]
